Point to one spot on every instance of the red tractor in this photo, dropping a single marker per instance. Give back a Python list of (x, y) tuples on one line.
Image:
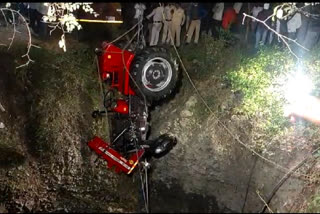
[(134, 82)]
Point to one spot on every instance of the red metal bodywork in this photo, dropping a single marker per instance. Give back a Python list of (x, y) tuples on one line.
[(115, 63), (122, 107), (113, 157), (114, 66)]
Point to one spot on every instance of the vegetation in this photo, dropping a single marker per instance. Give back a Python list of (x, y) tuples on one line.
[(68, 91)]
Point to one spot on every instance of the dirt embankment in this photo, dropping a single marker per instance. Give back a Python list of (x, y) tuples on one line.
[(45, 164), (209, 164)]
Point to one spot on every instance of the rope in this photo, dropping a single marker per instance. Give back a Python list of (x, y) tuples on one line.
[(123, 61), (248, 186), (284, 178), (99, 76), (215, 117), (145, 194), (125, 33)]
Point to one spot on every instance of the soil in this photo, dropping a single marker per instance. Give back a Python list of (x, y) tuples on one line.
[(207, 172), (44, 181)]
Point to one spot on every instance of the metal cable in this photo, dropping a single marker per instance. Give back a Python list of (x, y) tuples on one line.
[(144, 97)]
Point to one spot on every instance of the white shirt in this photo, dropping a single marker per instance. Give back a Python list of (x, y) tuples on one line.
[(40, 7), (178, 16), (218, 11), (43, 9), (255, 11), (294, 23), (33, 5), (157, 14), (237, 7), (139, 10)]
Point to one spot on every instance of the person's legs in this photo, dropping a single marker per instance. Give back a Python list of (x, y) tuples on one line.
[(32, 18), (205, 25), (271, 34), (187, 23), (197, 26), (215, 28), (150, 26), (43, 30), (178, 31), (173, 33), (38, 17), (165, 31), (264, 36), (157, 32), (169, 32), (190, 31), (153, 35), (258, 37), (292, 35)]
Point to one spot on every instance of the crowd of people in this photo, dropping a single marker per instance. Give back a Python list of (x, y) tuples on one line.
[(33, 13), (160, 19), (182, 23), (170, 18)]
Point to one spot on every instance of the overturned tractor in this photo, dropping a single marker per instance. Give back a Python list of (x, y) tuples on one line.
[(132, 83)]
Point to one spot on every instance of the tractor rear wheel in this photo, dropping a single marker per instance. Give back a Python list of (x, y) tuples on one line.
[(154, 72)]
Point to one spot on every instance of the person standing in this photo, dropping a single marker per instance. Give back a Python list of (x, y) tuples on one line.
[(196, 13), (168, 12), (178, 20), (293, 24), (43, 27), (217, 11), (33, 18), (206, 22), (140, 8), (229, 17), (157, 15), (237, 7), (262, 30), (186, 8), (255, 12), (148, 22)]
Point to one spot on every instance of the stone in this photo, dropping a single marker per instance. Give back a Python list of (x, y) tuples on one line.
[(191, 102), (186, 113)]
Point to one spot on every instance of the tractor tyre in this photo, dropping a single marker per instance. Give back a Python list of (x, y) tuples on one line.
[(154, 73)]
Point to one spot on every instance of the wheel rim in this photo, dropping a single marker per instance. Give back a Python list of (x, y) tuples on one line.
[(156, 74)]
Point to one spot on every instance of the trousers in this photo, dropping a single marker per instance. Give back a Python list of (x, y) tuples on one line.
[(165, 33), (194, 26), (260, 33), (156, 27), (175, 32)]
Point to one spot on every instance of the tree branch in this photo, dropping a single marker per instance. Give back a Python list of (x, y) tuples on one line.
[(14, 30), (29, 45), (5, 18), (282, 37)]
